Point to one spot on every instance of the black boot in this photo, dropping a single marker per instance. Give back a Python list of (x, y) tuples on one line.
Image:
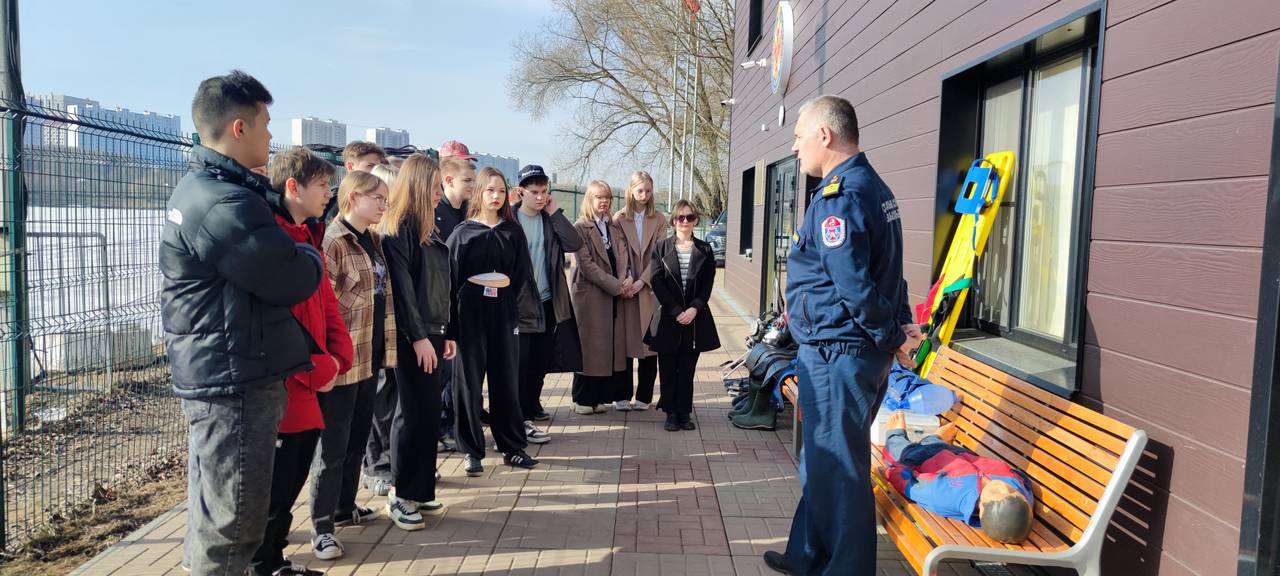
[(776, 562), (753, 391), (673, 423)]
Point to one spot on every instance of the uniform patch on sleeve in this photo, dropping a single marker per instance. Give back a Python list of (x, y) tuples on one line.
[(833, 232), (174, 216)]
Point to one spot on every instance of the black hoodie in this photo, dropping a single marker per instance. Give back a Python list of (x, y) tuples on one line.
[(475, 248)]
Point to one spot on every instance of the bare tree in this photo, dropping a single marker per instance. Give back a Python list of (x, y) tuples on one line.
[(611, 62)]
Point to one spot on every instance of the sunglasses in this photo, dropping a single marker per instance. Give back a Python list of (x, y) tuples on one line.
[(686, 218)]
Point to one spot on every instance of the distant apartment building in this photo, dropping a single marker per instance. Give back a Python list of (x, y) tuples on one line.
[(387, 137), (85, 137), (309, 130), (508, 165)]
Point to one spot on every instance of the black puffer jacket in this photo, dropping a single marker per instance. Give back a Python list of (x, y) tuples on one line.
[(420, 280), (231, 275)]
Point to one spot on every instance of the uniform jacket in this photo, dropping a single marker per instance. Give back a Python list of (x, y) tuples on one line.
[(947, 480), (320, 316), (420, 276), (230, 276), (559, 237), (637, 312), (844, 279), (674, 297), (596, 288), (350, 272)]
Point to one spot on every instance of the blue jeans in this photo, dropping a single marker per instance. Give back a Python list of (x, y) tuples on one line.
[(231, 450), (834, 528)]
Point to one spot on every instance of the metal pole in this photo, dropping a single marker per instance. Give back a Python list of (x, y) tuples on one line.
[(675, 83), (697, 89), (684, 131), (13, 99)]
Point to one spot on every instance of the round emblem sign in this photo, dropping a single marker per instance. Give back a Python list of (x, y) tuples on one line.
[(783, 44)]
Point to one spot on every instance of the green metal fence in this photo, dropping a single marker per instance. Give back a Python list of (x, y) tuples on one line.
[(85, 401)]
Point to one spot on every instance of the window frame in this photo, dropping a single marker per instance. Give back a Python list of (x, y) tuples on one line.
[(747, 213), (960, 132), (755, 24)]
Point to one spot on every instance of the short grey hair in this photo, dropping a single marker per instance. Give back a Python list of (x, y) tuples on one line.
[(836, 114)]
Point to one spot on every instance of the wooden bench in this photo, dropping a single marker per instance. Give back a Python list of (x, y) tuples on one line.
[(1079, 462)]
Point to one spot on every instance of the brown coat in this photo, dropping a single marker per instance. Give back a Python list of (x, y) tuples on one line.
[(595, 288), (636, 312), (351, 273)]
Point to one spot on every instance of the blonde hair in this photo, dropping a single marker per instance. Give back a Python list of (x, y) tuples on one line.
[(387, 173), (454, 166), (356, 183), (476, 203), (587, 213), (412, 196), (629, 207)]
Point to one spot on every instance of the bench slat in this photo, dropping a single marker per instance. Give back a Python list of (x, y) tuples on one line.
[(1048, 455), (1048, 422), (905, 535), (1096, 419)]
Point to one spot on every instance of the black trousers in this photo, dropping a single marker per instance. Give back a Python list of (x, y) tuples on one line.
[(677, 381), (377, 454), (335, 474), (646, 373), (416, 425), (488, 346), (536, 349), (292, 460)]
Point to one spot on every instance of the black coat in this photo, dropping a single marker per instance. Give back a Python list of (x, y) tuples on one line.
[(558, 237), (231, 274), (420, 281), (665, 335)]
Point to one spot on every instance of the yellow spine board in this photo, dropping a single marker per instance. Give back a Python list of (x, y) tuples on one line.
[(965, 250)]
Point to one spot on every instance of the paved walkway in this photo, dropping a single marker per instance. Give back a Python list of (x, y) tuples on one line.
[(615, 494)]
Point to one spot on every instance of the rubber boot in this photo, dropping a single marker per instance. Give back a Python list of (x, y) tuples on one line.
[(763, 415), (753, 391)]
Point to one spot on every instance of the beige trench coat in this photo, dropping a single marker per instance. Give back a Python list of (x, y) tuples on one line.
[(636, 312), (595, 288)]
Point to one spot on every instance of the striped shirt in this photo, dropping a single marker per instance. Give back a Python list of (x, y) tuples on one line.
[(684, 256)]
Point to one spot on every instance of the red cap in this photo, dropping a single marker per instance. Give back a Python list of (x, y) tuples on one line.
[(457, 149)]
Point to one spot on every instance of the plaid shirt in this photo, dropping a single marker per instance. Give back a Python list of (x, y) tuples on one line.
[(351, 273)]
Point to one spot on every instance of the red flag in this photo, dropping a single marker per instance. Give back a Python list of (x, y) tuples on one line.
[(693, 5)]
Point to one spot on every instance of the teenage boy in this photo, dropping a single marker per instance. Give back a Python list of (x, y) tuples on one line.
[(544, 302), (301, 183), (358, 156), (230, 276), (458, 178)]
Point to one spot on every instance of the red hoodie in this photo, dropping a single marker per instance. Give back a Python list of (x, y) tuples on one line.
[(320, 315)]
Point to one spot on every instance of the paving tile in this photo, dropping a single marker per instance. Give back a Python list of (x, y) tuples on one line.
[(629, 564)]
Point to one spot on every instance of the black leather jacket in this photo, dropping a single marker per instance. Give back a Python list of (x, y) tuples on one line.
[(420, 281), (231, 275)]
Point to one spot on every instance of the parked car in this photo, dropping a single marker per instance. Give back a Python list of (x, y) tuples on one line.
[(715, 237)]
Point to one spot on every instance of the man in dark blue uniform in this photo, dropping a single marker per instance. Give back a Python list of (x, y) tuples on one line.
[(847, 307)]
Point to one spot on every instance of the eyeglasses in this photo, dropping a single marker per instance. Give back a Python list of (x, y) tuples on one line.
[(686, 218), (380, 199)]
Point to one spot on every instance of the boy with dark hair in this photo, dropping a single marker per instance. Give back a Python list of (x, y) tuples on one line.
[(230, 276), (358, 156), (544, 303), (301, 183)]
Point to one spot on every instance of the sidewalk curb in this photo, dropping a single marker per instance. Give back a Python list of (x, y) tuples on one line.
[(131, 539)]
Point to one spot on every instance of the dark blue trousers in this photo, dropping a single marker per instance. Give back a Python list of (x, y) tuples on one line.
[(834, 528)]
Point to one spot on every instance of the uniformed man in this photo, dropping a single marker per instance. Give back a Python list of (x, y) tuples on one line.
[(847, 307)]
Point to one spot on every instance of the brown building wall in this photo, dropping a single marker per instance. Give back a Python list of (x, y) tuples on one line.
[(1184, 141)]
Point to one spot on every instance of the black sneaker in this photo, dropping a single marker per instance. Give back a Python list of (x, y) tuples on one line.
[(291, 569), (520, 460), (541, 415), (448, 444), (355, 517), (673, 423), (474, 467), (686, 423), (776, 562)]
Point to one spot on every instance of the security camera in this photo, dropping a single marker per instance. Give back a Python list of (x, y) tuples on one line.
[(761, 63), (729, 102)]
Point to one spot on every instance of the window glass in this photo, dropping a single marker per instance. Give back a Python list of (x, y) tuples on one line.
[(1001, 131)]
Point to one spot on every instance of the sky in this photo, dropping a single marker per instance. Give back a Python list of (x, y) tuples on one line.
[(437, 68)]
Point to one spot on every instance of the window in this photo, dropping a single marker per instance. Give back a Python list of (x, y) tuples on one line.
[(1033, 99), (755, 16), (747, 212)]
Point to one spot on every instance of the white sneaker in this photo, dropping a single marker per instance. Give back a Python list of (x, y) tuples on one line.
[(583, 410), (639, 406), (533, 435), (326, 547), (432, 508), (622, 405), (404, 514)]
